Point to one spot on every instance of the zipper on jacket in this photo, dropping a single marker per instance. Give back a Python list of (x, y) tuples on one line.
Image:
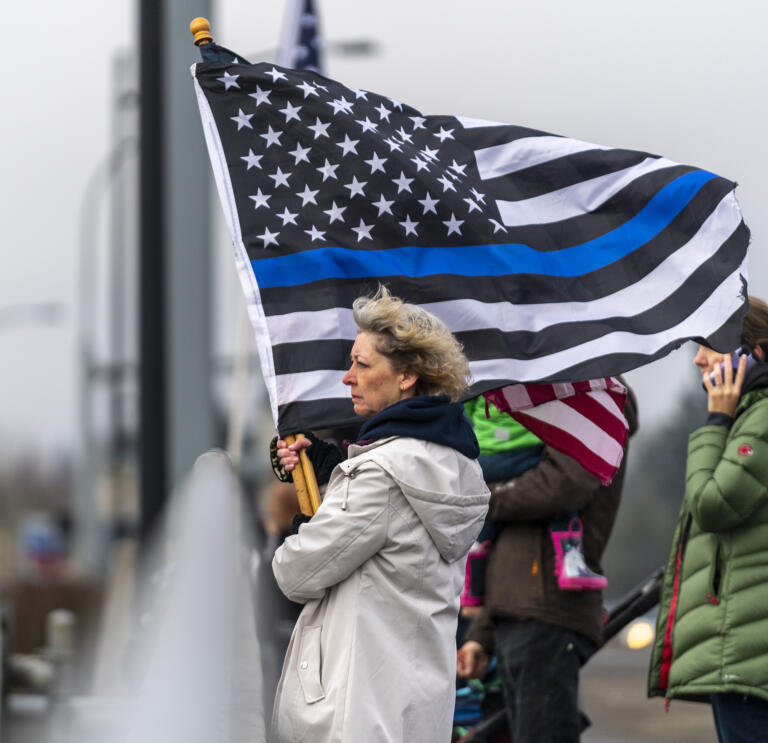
[(667, 653)]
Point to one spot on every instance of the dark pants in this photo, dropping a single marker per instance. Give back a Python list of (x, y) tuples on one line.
[(740, 718), (539, 666)]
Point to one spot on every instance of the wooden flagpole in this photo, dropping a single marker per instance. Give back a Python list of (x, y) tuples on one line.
[(304, 480)]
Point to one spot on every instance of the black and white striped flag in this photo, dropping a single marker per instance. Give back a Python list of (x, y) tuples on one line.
[(551, 259)]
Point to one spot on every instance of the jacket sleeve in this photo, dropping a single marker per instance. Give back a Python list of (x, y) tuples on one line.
[(557, 485), (481, 630), (726, 477), (349, 527)]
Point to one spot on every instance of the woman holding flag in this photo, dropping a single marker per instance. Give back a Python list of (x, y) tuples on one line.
[(380, 566)]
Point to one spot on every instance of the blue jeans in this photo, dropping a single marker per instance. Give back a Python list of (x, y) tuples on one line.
[(539, 666), (740, 718)]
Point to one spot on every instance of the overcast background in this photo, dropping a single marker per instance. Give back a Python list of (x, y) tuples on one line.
[(682, 79)]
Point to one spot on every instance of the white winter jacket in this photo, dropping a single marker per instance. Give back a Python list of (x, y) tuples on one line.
[(380, 566)]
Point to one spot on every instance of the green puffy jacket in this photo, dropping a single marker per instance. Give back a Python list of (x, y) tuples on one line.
[(712, 629)]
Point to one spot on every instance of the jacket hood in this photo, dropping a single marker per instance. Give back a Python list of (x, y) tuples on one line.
[(445, 489), (426, 417)]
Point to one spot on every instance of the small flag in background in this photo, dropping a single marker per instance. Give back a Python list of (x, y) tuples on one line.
[(551, 259), (300, 42)]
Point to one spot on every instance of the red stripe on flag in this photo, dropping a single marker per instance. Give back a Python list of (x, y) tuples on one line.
[(590, 408), (564, 442)]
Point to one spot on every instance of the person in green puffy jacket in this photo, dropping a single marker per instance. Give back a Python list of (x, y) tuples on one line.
[(712, 629)]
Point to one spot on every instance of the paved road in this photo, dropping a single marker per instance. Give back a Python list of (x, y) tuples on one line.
[(613, 694)]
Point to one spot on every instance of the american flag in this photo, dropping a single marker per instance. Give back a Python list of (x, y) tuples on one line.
[(582, 419), (550, 258)]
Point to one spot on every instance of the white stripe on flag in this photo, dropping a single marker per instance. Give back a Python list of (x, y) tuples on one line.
[(470, 314), (600, 396), (556, 413), (503, 159), (315, 385), (321, 325), (469, 123), (703, 320), (573, 201)]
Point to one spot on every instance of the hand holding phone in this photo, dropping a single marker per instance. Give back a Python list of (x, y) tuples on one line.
[(724, 384), (735, 356)]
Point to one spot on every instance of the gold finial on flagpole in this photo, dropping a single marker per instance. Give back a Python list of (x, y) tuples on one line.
[(201, 29)]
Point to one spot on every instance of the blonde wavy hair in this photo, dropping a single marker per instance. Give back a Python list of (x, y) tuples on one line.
[(415, 341)]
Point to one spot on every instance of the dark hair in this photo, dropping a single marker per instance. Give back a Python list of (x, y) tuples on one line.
[(754, 327)]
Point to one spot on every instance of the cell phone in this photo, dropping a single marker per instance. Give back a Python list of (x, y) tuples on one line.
[(735, 356)]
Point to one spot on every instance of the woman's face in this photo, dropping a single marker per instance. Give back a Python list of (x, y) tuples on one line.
[(373, 382), (707, 359)]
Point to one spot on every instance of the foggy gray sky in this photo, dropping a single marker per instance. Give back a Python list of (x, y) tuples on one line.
[(681, 79)]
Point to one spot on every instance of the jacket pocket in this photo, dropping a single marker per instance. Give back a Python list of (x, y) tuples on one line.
[(716, 575), (308, 665)]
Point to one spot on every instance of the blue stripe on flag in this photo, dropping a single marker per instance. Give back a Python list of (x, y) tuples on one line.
[(485, 260)]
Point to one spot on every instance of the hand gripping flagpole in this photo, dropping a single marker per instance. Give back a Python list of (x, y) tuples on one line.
[(304, 480), (303, 476)]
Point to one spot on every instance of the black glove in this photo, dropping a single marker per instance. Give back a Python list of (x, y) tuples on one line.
[(298, 520), (323, 456)]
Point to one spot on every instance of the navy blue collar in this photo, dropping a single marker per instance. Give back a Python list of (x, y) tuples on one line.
[(427, 417)]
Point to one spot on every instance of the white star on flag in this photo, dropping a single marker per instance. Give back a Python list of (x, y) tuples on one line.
[(280, 178), (356, 187), (429, 204), (276, 75), (363, 231), (307, 196), (341, 104), (376, 163), (383, 205), (252, 160), (348, 145), (409, 225), (447, 185), (320, 129), (291, 112), (403, 183), (327, 170), (368, 125), (315, 234), (287, 217), (229, 81), (308, 88), (242, 119), (453, 224), (300, 154), (268, 237), (261, 96), (272, 136), (260, 199), (334, 213)]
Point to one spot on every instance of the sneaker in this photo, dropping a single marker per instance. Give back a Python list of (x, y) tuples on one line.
[(572, 572)]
